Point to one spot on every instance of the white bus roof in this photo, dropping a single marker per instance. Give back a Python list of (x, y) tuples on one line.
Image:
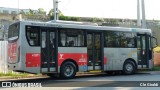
[(72, 22), (79, 25)]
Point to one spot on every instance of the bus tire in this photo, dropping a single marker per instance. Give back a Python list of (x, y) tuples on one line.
[(129, 67), (68, 70)]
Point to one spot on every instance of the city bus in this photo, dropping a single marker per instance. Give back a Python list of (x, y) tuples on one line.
[(65, 48)]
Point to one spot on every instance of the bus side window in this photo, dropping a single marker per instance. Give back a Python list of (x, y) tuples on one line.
[(71, 43), (31, 42), (43, 39), (33, 35), (60, 44), (71, 38), (52, 39), (66, 43)]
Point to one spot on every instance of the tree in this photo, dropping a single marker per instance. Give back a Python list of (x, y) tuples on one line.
[(51, 14), (22, 12), (31, 12), (41, 11)]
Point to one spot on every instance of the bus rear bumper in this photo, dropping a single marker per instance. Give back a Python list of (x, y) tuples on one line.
[(15, 67)]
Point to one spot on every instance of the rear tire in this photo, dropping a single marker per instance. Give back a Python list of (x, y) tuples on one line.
[(68, 70), (129, 67)]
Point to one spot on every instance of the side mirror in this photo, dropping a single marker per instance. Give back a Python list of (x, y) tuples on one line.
[(154, 42)]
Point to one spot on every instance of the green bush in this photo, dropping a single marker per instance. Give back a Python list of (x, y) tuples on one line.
[(157, 49)]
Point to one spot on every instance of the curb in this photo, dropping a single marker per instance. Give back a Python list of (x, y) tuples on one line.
[(151, 72)]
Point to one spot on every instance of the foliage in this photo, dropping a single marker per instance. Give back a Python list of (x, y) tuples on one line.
[(156, 68), (94, 19), (157, 49), (51, 13), (69, 18), (22, 12), (31, 12), (41, 11)]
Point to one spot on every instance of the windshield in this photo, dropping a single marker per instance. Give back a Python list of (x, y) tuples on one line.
[(13, 32)]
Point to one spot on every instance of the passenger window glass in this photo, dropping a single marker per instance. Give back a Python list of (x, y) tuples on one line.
[(52, 39), (112, 39), (33, 35), (127, 40), (43, 39), (71, 38), (119, 39), (144, 43)]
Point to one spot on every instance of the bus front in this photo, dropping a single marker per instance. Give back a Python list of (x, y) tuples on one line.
[(14, 47)]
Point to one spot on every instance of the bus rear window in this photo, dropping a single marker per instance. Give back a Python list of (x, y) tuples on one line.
[(13, 31)]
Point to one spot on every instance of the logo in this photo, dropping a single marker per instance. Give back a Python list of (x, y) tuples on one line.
[(14, 84), (61, 56), (6, 84), (82, 59), (35, 55)]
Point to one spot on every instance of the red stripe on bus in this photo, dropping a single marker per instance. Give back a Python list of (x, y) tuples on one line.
[(33, 60), (79, 58)]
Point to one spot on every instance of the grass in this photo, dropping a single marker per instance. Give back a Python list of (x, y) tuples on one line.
[(14, 74), (156, 68)]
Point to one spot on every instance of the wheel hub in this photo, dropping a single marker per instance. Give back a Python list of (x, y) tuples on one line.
[(68, 70)]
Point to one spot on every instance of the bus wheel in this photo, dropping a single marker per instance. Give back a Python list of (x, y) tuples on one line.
[(129, 67), (68, 70)]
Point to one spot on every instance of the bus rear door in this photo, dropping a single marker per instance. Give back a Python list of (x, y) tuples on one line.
[(48, 50)]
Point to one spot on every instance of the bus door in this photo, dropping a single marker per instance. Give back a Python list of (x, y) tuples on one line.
[(143, 50), (48, 50), (95, 51)]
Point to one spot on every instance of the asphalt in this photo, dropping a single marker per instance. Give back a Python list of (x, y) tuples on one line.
[(81, 74)]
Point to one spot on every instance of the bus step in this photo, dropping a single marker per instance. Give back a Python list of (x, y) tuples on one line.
[(94, 71)]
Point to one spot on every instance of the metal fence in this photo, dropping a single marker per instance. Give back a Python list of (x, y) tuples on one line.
[(3, 57)]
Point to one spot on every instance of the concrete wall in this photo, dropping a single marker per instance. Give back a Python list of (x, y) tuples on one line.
[(3, 57)]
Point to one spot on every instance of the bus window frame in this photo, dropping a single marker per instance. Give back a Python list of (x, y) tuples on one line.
[(152, 37), (84, 35), (134, 37), (11, 41), (39, 33)]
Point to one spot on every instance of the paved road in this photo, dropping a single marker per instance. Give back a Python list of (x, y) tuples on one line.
[(99, 80)]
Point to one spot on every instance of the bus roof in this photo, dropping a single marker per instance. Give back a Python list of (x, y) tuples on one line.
[(72, 22), (81, 25)]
